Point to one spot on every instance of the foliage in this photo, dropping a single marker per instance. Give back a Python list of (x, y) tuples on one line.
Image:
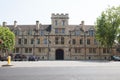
[(7, 38), (107, 26), (118, 37)]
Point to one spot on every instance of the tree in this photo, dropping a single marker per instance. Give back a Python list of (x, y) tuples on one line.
[(7, 39), (118, 40), (118, 37), (107, 26)]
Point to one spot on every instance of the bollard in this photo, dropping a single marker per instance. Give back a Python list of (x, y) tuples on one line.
[(9, 60)]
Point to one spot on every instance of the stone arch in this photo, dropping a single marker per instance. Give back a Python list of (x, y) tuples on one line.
[(59, 54)]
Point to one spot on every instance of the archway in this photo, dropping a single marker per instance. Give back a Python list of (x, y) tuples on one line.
[(59, 54)]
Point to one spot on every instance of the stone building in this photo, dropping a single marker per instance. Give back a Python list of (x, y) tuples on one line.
[(58, 40)]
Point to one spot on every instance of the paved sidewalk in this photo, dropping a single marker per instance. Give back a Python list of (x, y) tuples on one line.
[(60, 63)]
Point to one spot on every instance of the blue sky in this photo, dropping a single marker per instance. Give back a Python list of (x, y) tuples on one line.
[(28, 11)]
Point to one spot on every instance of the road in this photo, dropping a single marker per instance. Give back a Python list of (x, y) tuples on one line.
[(106, 72)]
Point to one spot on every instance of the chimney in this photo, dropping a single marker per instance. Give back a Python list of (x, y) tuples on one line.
[(83, 27), (37, 25), (15, 23), (4, 24), (82, 22)]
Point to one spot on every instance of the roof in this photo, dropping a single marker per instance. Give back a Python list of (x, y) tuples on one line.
[(48, 27)]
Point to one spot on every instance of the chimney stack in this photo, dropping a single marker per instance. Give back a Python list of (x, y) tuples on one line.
[(4, 24), (15, 23), (82, 22), (37, 25)]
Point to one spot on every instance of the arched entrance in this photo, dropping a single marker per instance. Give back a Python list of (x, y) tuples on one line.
[(59, 54)]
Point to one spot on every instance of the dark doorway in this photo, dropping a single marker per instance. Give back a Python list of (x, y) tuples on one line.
[(59, 55)]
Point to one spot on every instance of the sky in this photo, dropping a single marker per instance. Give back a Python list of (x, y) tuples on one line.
[(29, 11)]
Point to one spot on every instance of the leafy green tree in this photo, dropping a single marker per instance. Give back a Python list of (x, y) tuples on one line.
[(118, 37), (107, 26), (118, 40), (7, 39)]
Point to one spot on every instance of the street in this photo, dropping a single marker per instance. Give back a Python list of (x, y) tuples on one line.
[(85, 72)]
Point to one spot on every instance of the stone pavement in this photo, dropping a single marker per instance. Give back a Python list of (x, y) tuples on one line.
[(60, 63)]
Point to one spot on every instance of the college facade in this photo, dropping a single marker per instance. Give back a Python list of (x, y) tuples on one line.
[(59, 40)]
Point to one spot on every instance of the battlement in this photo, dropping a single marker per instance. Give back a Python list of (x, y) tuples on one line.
[(57, 15)]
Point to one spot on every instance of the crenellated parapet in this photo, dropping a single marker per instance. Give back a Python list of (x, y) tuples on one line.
[(57, 15)]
